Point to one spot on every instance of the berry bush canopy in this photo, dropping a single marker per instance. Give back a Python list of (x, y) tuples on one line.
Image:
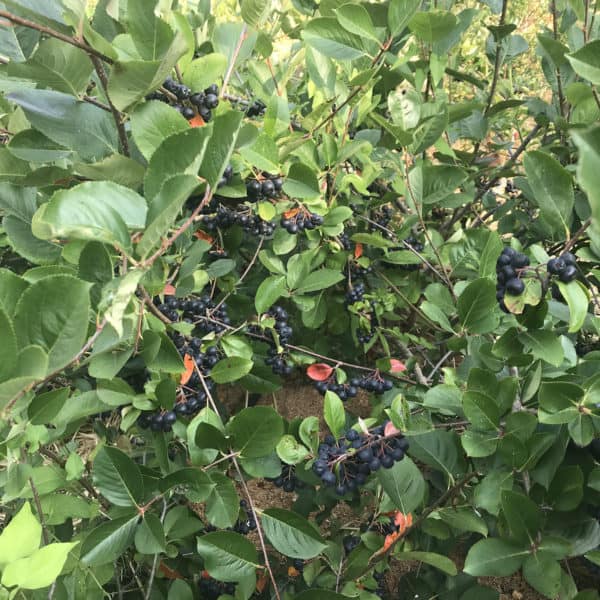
[(388, 210)]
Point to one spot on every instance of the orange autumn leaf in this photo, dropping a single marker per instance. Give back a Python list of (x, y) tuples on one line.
[(261, 582), (169, 290), (189, 364), (293, 572), (396, 366), (358, 250), (319, 372), (168, 572), (390, 429), (197, 121), (403, 522), (205, 575), (288, 214), (202, 235), (389, 540)]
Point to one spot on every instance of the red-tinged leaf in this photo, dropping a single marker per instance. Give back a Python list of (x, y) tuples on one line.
[(169, 290), (262, 582), (288, 214), (168, 572), (189, 364), (403, 522), (390, 429), (358, 250), (396, 366), (202, 235), (197, 121), (389, 540), (292, 572), (319, 371)]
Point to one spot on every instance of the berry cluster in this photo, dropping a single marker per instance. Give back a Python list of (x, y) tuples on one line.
[(211, 589), (355, 293), (345, 241), (226, 177), (300, 221), (564, 267), (375, 383), (350, 542), (267, 187), (509, 267), (189, 102), (277, 359), (224, 218), (256, 109), (247, 523), (381, 218), (203, 312), (346, 463), (357, 271), (287, 480)]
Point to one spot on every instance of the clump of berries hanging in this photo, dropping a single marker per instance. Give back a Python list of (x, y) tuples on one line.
[(371, 383), (347, 462), (298, 220), (287, 480), (211, 589), (509, 268), (277, 358), (564, 267), (268, 186), (189, 103)]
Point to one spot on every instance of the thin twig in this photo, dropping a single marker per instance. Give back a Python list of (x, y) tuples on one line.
[(497, 62), (155, 561), (96, 102), (56, 34), (38, 505), (258, 528), (99, 67), (561, 95), (234, 57)]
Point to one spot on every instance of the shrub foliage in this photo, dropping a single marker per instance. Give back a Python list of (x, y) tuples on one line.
[(362, 197)]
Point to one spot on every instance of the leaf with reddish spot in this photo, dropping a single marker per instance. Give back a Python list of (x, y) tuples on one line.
[(396, 366), (319, 371), (358, 250), (169, 290), (390, 429)]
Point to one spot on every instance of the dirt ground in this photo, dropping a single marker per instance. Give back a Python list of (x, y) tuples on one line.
[(302, 400)]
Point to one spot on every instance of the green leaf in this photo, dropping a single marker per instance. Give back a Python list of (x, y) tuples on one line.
[(262, 154), (253, 11), (108, 541), (268, 292), (355, 19), (400, 12), (8, 349), (60, 116), (440, 182), (327, 36), (577, 297), (438, 561), (118, 478), (150, 536), (494, 557), (204, 71), (256, 430), (220, 148), (586, 61), (116, 167), (164, 210), (433, 25), (301, 182), (75, 213), (152, 123), (290, 451), (151, 36), (405, 108), (291, 534), (33, 146), (230, 369), (552, 188), (181, 153), (319, 280), (544, 345), (38, 570), (197, 483), (522, 515), (463, 518), (588, 167), (315, 594), (56, 65), (481, 410), (476, 306), (21, 537), (543, 573), (404, 484), (228, 556), (334, 413), (566, 490), (53, 314), (438, 449)]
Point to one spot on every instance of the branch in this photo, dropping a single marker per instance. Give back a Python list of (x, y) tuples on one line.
[(38, 505), (236, 53), (113, 109), (497, 64), (56, 34)]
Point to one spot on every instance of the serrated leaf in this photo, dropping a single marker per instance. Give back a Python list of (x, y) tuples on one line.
[(108, 541), (228, 556), (230, 369), (494, 557), (118, 478), (256, 431)]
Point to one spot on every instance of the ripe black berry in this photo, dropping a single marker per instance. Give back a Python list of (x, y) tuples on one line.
[(211, 101), (568, 274), (515, 286)]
